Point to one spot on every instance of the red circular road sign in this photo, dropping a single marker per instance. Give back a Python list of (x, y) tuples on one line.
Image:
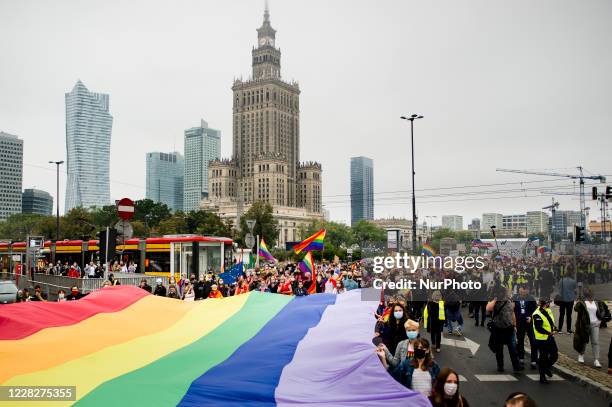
[(125, 208)]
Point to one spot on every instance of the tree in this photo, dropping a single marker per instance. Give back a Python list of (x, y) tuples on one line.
[(18, 226), (364, 231), (77, 224), (151, 212), (105, 216), (175, 224), (207, 223), (266, 225), (337, 234)]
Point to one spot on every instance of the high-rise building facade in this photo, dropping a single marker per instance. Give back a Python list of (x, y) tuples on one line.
[(537, 222), (514, 222), (37, 202), (452, 222), (491, 219), (165, 172), (88, 139), (362, 189), (475, 224), (265, 164), (11, 174), (562, 223), (202, 145)]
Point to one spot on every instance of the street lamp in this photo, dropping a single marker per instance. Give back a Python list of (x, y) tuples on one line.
[(57, 220), (414, 218)]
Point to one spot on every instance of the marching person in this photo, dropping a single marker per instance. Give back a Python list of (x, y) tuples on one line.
[(544, 330), (445, 391), (503, 328), (434, 319), (589, 314), (565, 301), (524, 306)]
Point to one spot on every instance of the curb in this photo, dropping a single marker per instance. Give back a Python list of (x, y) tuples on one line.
[(568, 374)]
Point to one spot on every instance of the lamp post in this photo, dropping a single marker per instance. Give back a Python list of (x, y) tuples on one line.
[(414, 217), (57, 220)]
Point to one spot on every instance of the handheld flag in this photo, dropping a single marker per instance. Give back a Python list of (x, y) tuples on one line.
[(307, 266), (314, 242), (231, 275), (265, 252), (427, 250)]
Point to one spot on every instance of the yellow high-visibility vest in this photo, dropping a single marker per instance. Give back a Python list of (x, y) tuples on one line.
[(545, 325), (441, 314)]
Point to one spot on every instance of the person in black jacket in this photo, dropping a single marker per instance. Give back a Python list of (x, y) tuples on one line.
[(610, 358), (159, 288), (524, 306)]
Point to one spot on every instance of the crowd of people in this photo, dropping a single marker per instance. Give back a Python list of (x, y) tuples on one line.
[(89, 270), (513, 303), (515, 297)]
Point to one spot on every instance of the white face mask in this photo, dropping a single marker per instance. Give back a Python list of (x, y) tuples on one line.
[(450, 389)]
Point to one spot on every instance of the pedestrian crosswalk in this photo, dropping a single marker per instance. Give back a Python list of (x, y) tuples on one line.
[(507, 378)]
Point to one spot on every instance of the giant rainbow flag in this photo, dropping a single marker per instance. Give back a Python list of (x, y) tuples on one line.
[(121, 346)]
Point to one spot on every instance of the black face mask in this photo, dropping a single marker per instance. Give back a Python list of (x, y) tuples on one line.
[(420, 353)]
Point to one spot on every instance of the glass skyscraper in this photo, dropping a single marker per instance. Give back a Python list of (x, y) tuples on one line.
[(165, 173), (37, 202), (88, 139), (362, 189), (202, 145), (11, 174)]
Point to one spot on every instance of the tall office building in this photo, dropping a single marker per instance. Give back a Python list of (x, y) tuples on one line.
[(165, 173), (11, 174), (37, 202), (362, 189), (265, 163), (88, 139), (452, 222), (515, 222), (491, 219), (537, 222), (202, 145), (562, 223)]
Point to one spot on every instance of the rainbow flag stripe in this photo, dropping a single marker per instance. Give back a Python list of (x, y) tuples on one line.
[(427, 250), (265, 252), (314, 242), (163, 352)]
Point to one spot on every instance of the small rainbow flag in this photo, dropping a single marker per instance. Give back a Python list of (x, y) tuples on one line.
[(314, 242), (427, 250), (307, 264), (265, 252)]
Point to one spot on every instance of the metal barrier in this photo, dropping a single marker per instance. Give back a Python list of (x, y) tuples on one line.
[(51, 284)]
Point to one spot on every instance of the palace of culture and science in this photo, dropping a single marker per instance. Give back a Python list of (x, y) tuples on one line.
[(265, 164)]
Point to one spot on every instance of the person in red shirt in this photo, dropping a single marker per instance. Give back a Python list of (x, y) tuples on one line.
[(285, 286), (242, 288), (214, 292), (73, 272)]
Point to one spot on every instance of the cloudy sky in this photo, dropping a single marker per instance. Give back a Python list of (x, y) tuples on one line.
[(521, 84)]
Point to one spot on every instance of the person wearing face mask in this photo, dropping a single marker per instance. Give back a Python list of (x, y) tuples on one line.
[(544, 330), (393, 331), (445, 391), (61, 296), (404, 349), (420, 372)]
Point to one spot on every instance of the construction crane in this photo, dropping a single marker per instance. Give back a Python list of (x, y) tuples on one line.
[(552, 208), (579, 176)]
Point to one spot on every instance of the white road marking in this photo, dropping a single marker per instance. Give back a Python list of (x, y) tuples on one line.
[(462, 378), (536, 377), (466, 344), (496, 378)]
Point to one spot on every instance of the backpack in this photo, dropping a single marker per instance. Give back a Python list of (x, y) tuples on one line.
[(502, 319)]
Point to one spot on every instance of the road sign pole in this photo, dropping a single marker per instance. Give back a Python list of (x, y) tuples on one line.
[(106, 262)]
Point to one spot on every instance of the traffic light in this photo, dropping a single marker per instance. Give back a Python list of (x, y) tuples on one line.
[(609, 192), (594, 196), (112, 243), (579, 234)]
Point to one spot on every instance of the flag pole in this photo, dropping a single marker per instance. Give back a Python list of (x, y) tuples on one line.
[(257, 260)]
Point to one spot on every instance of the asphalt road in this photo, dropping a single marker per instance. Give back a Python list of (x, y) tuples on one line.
[(484, 386)]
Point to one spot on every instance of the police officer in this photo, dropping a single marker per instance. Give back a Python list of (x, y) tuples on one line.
[(544, 330)]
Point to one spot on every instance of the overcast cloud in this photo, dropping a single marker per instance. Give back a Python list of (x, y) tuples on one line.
[(518, 84)]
